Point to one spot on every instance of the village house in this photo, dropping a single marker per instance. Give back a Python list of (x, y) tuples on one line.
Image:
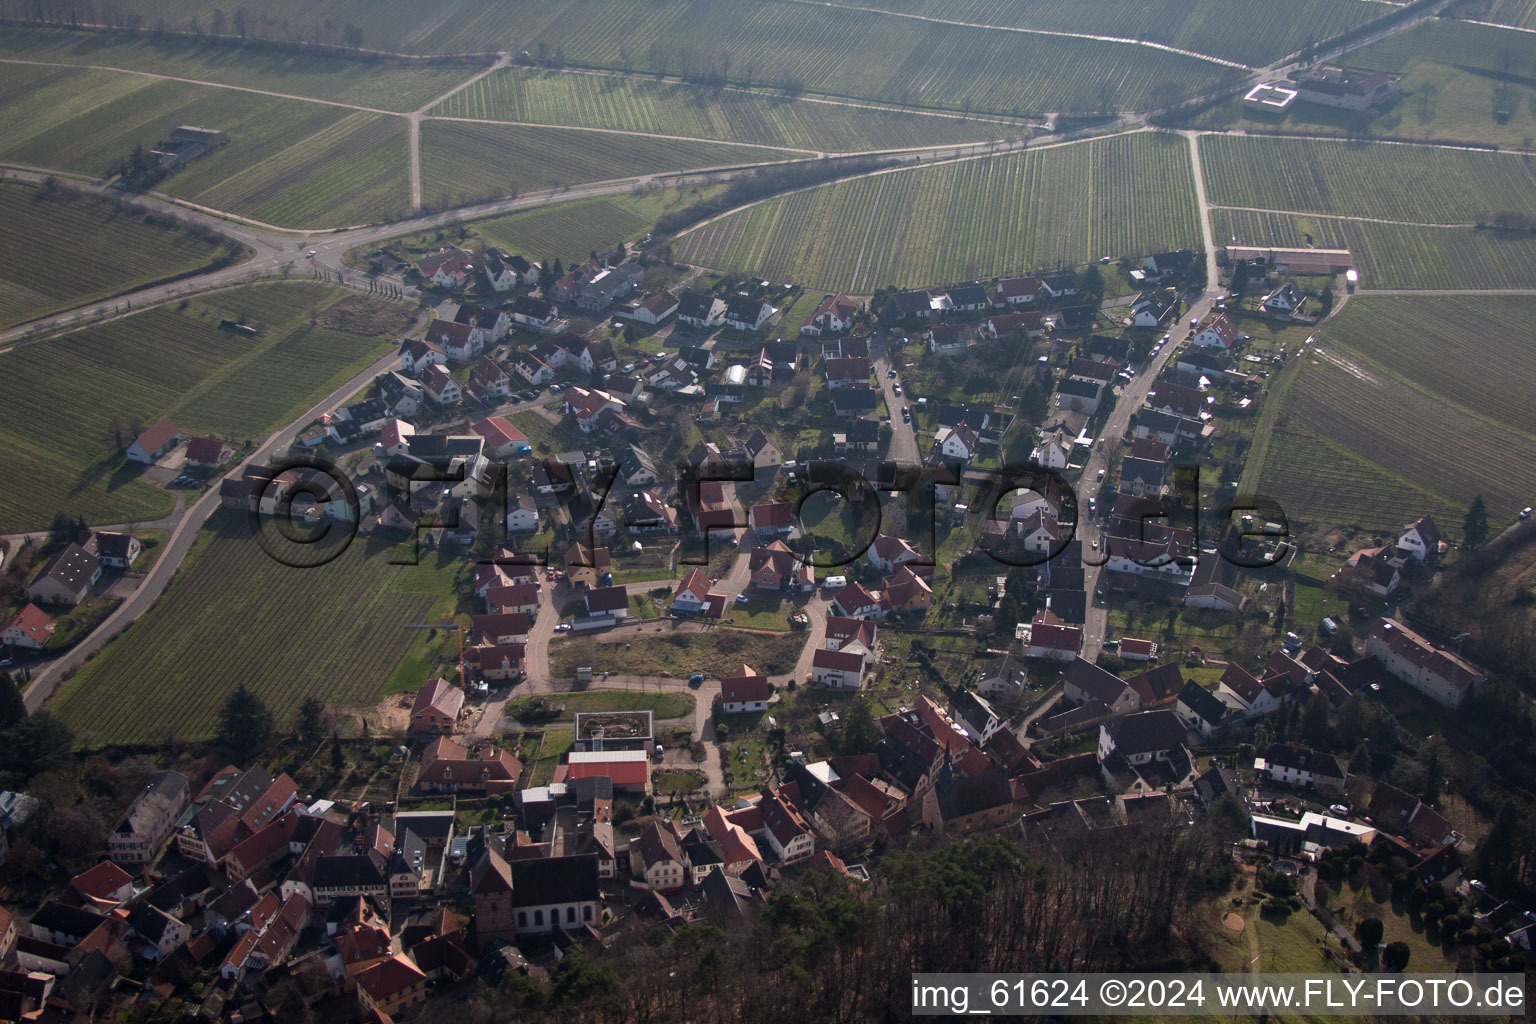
[(855, 601), (747, 315), (533, 369), (1155, 308), (1286, 300), (1373, 570), (833, 315), (502, 439), (450, 767), (150, 819), (1048, 637), (1003, 680), (960, 442), (461, 342), (1201, 711), (446, 268), (31, 628), (504, 271), (1409, 657), (206, 452), (702, 311), (1084, 682), (847, 372), (416, 355), (655, 308), (441, 387), (1217, 332), (645, 512), (745, 692), (435, 711), (1299, 766), (1078, 396), (1419, 540), (493, 323), (840, 669), (1143, 752)]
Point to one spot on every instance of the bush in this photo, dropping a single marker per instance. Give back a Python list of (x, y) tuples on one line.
[(1395, 956)]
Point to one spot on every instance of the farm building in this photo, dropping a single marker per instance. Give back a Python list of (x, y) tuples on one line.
[(154, 442), (1305, 262)]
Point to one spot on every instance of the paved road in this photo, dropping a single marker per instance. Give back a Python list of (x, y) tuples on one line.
[(904, 447), (1131, 398)]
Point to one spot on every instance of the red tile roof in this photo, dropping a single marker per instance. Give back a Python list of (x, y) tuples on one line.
[(749, 686), (156, 436), (498, 432), (34, 622)]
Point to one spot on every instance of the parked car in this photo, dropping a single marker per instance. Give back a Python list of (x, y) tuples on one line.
[(743, 599), (906, 415), (563, 627), (896, 388), (1525, 513), (697, 679)]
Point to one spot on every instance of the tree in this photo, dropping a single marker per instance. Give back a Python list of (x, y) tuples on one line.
[(34, 744), (12, 708), (1239, 278), (1395, 957), (860, 735), (311, 719), (245, 722), (1369, 931), (338, 759), (1474, 528), (1314, 721)]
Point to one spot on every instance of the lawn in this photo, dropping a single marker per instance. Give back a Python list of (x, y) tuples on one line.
[(381, 84), (464, 162), (1364, 179), (662, 705), (972, 219), (290, 161), (714, 652), (89, 247), (171, 361), (760, 613), (667, 783), (727, 115), (333, 631), (1331, 447)]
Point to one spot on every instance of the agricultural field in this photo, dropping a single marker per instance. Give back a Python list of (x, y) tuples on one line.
[(332, 631), (1395, 255), (1344, 439), (354, 171), (729, 115), (562, 229), (839, 51), (1512, 12), (164, 361), (464, 162), (1250, 31), (1405, 183), (380, 84), (1050, 208), (307, 164), (92, 250)]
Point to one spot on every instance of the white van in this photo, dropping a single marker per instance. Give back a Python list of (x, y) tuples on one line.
[(834, 583)]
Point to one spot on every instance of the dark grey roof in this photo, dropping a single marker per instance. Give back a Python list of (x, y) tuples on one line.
[(1203, 702), (1288, 755), (1078, 388), (1149, 732), (855, 399), (346, 871), (554, 880)]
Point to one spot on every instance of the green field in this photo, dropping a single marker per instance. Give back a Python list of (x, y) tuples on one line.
[(61, 250), (1400, 412), (64, 392), (730, 115), (1512, 12), (333, 631), (463, 162), (1406, 183), (1395, 255), (382, 85), (304, 164), (782, 44), (1058, 207)]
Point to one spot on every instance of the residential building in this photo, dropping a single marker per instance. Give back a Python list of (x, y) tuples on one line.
[(1299, 766), (150, 819), (1411, 658), (154, 442)]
